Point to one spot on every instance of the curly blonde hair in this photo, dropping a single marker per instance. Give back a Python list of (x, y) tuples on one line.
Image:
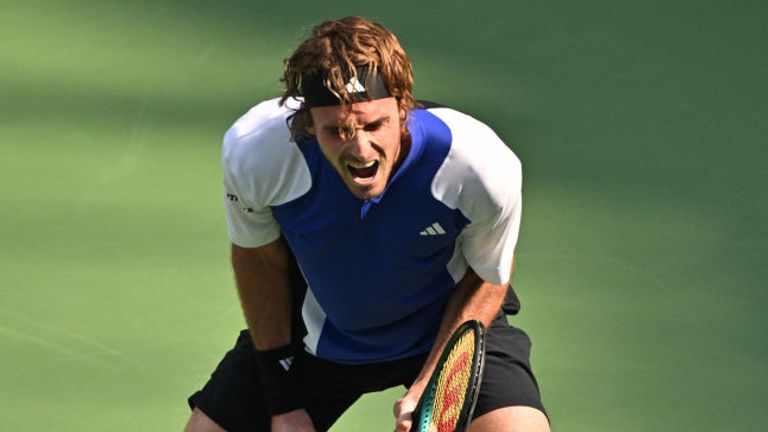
[(335, 50)]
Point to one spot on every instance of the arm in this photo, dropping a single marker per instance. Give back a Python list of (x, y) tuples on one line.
[(472, 298), (265, 293), (262, 281)]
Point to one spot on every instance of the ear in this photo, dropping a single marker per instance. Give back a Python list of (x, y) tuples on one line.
[(309, 121), (403, 114), (402, 109)]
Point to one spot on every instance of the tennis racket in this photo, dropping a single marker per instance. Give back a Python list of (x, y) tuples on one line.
[(450, 396)]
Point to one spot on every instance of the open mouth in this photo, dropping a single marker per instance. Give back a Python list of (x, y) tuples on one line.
[(363, 170)]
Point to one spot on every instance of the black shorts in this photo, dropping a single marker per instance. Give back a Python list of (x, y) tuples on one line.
[(233, 396)]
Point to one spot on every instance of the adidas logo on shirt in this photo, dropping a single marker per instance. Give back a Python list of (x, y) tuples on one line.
[(354, 86), (432, 230), (286, 363)]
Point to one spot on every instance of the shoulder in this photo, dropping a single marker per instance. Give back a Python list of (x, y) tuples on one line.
[(259, 134), (260, 157), (474, 143), (480, 171)]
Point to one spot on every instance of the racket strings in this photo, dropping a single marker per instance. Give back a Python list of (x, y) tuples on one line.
[(451, 389)]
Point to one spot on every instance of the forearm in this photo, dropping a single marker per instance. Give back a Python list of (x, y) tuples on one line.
[(472, 299), (261, 275)]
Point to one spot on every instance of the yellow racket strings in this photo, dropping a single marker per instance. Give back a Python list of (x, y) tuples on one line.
[(452, 384)]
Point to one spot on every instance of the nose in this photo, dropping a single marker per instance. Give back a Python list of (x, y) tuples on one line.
[(359, 145)]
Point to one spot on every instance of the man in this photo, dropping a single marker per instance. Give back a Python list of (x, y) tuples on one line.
[(364, 230)]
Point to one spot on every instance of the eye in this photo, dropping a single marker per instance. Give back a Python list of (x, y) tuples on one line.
[(346, 130), (373, 127)]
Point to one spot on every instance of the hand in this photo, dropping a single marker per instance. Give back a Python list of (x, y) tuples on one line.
[(403, 411), (293, 421)]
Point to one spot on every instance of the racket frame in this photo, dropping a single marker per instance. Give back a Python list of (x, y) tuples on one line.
[(424, 406)]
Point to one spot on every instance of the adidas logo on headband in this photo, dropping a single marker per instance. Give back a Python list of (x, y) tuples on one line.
[(362, 88), (354, 86)]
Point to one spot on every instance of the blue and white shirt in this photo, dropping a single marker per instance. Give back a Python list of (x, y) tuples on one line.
[(379, 272)]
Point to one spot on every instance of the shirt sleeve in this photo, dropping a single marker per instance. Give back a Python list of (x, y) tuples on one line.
[(488, 242), (261, 168), (249, 223), (482, 177)]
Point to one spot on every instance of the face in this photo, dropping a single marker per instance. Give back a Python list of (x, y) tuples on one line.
[(363, 145)]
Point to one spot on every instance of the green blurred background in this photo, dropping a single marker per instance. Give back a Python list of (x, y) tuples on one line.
[(642, 259)]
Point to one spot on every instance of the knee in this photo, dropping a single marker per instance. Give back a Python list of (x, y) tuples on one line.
[(200, 422), (511, 419)]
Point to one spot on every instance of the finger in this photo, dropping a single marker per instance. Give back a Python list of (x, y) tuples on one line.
[(404, 426), (404, 422), (396, 408)]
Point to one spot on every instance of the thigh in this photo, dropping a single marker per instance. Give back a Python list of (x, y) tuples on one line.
[(348, 382), (507, 378), (233, 397)]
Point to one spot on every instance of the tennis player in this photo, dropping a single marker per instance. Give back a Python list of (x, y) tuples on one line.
[(365, 228)]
